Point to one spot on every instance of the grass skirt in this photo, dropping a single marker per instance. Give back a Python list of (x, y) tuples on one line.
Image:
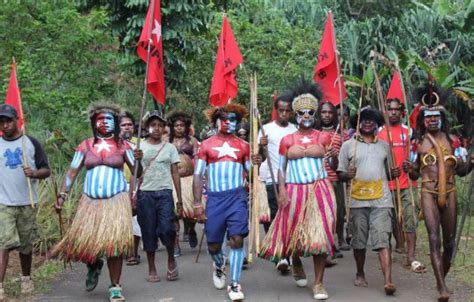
[(305, 226), (101, 227), (187, 196), (264, 209)]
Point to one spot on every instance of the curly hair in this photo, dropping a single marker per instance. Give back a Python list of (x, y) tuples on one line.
[(115, 110), (214, 113), (176, 116)]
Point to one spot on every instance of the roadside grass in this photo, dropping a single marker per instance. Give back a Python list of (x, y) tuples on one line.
[(42, 277)]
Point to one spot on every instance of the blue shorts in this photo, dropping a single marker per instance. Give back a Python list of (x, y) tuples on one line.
[(226, 211), (156, 215)]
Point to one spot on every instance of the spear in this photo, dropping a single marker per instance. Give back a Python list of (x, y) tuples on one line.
[(395, 65), (380, 100)]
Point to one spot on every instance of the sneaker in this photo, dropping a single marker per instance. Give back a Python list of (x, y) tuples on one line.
[(115, 293), (193, 240), (300, 276), (177, 251), (185, 238), (283, 266), (319, 292), (92, 278), (235, 292), (27, 286), (344, 246), (218, 277), (2, 292)]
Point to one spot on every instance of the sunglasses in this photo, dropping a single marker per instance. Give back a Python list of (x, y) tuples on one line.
[(309, 112)]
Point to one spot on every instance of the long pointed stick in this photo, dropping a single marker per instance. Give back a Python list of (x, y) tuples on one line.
[(380, 100), (143, 103)]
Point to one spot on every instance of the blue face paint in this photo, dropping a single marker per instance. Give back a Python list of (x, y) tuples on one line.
[(109, 121), (227, 123)]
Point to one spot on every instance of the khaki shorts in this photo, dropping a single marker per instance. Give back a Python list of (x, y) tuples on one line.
[(410, 221), (375, 223), (17, 228)]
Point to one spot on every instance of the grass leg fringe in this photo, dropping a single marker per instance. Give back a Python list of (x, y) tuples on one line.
[(101, 227)]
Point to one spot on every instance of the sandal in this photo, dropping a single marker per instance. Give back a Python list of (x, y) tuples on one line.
[(153, 278), (390, 289), (92, 278), (172, 275), (133, 260), (417, 267)]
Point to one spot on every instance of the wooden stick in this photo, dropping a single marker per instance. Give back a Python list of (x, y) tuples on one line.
[(380, 100), (199, 246)]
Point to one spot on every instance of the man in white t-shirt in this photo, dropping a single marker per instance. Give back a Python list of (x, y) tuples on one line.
[(274, 132)]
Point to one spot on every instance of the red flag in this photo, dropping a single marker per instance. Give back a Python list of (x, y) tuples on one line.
[(274, 111), (325, 73), (13, 97), (156, 76), (414, 116), (224, 83), (395, 90)]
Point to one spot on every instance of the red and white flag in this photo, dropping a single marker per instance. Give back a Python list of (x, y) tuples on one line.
[(274, 111), (156, 76), (224, 84), (325, 73), (13, 97), (395, 90)]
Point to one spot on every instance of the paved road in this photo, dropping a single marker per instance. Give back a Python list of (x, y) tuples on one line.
[(260, 282)]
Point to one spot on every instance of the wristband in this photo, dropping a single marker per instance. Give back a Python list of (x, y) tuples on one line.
[(63, 195)]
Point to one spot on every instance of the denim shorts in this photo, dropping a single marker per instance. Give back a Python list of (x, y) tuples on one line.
[(156, 216)]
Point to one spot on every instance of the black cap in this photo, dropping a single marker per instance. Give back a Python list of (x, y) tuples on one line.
[(157, 114), (8, 111)]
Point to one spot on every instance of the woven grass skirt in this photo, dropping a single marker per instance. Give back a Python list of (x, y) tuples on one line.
[(101, 227), (305, 226), (264, 209), (187, 196)]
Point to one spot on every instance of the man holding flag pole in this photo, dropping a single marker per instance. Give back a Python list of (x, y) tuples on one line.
[(22, 162)]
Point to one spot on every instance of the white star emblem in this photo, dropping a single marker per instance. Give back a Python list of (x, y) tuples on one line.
[(157, 31), (226, 150), (103, 146), (305, 140)]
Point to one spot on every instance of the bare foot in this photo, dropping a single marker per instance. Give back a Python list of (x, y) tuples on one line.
[(360, 281), (389, 289), (444, 296)]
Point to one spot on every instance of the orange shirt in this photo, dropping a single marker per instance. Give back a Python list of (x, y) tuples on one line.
[(400, 140)]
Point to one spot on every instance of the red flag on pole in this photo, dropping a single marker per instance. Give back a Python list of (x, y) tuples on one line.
[(395, 90), (274, 111), (13, 96), (325, 73), (224, 83), (156, 77)]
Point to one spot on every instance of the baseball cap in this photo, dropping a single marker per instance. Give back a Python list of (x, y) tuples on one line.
[(157, 114), (8, 111)]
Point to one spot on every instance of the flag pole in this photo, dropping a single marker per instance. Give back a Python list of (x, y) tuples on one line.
[(23, 140), (143, 103)]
